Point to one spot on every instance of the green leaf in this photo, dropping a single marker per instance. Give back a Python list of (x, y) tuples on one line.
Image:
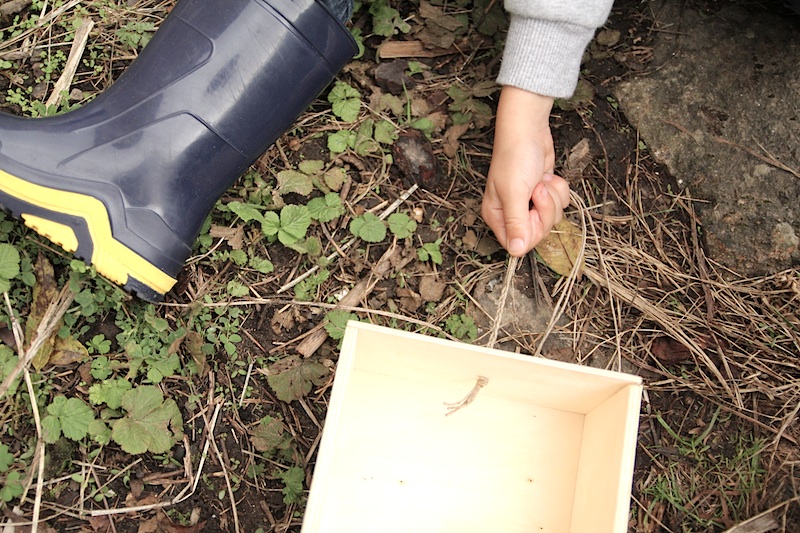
[(346, 101), (462, 327), (295, 220), (73, 416), (293, 484), (247, 212), (237, 289), (9, 261), (271, 224), (51, 429), (6, 458), (368, 227), (109, 392), (150, 424), (311, 167), (341, 140), (13, 487), (430, 251), (326, 208), (292, 181), (385, 132), (262, 265), (401, 225), (99, 432), (8, 361), (336, 322), (306, 289), (292, 378)]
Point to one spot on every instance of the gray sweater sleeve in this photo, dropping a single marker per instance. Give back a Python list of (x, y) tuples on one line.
[(545, 43)]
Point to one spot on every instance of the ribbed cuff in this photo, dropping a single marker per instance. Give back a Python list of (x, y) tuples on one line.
[(543, 57)]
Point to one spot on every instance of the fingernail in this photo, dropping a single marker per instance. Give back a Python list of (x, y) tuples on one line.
[(516, 247)]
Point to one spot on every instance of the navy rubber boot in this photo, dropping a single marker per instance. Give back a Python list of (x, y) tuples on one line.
[(126, 181)]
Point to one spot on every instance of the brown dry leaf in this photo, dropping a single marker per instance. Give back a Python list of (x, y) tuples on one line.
[(669, 351), (44, 293), (578, 159), (234, 236), (451, 144), (431, 288), (470, 240), (561, 248)]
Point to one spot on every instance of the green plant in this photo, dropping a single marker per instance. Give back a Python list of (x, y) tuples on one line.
[(462, 327), (151, 423), (336, 321), (67, 416), (430, 251), (9, 265), (345, 100), (368, 227), (307, 288), (136, 34), (386, 20), (401, 225), (293, 479)]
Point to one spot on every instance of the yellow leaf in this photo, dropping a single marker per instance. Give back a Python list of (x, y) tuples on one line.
[(560, 249), (68, 351)]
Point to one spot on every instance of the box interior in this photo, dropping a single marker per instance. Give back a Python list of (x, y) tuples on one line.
[(531, 452)]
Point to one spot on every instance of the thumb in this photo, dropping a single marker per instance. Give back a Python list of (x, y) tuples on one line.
[(517, 225)]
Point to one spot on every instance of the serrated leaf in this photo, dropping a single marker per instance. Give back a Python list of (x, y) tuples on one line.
[(560, 249), (109, 392), (293, 479), (51, 429), (292, 181), (293, 378), (368, 227), (12, 488), (150, 424), (8, 361), (336, 322), (99, 432), (9, 261), (294, 224), (73, 416), (271, 224), (326, 208), (346, 101), (401, 225), (270, 436), (341, 140)]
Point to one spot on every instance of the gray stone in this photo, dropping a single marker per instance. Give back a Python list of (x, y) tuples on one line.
[(721, 109)]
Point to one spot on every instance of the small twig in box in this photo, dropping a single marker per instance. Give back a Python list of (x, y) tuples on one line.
[(468, 399)]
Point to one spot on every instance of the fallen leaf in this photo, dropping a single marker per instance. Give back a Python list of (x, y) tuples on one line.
[(67, 351), (669, 351), (431, 288), (392, 77), (578, 159), (561, 248), (470, 240), (44, 293), (451, 136), (234, 236), (292, 378)]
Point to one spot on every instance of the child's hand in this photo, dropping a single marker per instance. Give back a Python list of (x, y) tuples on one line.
[(521, 173)]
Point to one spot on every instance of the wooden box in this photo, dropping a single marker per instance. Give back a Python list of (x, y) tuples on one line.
[(542, 447)]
